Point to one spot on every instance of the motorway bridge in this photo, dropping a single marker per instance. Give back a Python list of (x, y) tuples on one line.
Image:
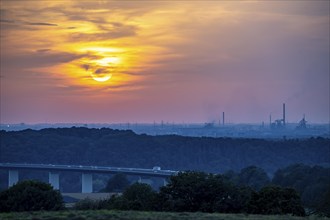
[(86, 171)]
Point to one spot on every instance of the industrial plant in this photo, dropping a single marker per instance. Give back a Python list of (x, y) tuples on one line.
[(277, 128)]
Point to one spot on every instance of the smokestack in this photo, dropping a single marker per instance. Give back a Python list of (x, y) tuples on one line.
[(284, 114), (223, 118)]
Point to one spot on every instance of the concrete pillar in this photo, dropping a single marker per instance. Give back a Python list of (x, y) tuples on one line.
[(54, 180), (86, 183), (165, 181), (12, 178)]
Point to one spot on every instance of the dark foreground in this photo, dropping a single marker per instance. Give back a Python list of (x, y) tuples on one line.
[(131, 215)]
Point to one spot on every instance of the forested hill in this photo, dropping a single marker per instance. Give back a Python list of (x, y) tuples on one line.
[(83, 146)]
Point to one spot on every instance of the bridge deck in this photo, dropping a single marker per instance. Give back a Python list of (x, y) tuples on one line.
[(88, 169)]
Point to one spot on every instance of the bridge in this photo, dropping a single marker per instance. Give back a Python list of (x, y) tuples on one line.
[(87, 171)]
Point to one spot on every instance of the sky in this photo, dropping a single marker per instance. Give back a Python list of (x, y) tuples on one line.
[(171, 61)]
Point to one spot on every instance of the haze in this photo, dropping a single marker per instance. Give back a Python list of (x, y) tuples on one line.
[(176, 61)]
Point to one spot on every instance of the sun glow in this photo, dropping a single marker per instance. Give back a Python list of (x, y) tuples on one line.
[(101, 49), (108, 61), (101, 79)]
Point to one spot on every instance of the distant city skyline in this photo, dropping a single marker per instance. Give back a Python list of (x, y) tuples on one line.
[(171, 61)]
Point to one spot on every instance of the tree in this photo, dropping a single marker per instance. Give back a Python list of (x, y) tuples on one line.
[(30, 196), (273, 200), (138, 196), (118, 183), (254, 177), (198, 191), (310, 182), (324, 205)]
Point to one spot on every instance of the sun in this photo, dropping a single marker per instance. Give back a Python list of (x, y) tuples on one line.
[(103, 78), (101, 69)]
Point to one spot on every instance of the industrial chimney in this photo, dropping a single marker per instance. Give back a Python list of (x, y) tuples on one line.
[(223, 118), (283, 114)]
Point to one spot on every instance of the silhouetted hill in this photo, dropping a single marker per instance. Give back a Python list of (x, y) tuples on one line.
[(83, 146)]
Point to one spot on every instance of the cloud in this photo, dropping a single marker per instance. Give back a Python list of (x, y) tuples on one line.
[(41, 58), (7, 21), (43, 50), (101, 71), (106, 33), (85, 66), (40, 24)]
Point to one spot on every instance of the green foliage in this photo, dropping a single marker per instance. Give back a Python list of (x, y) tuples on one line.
[(251, 176), (310, 182), (273, 200), (139, 215), (30, 196), (138, 196), (201, 192), (198, 191), (117, 183), (90, 204), (323, 207), (254, 177)]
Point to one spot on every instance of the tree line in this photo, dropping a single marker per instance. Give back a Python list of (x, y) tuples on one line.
[(312, 184), (201, 192), (124, 148), (186, 192), (189, 191)]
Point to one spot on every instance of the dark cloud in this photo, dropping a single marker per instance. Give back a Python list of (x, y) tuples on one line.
[(75, 17), (101, 71), (41, 24), (14, 24), (43, 50), (117, 24), (85, 66), (37, 59), (7, 21)]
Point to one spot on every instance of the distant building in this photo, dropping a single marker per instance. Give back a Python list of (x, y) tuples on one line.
[(302, 124)]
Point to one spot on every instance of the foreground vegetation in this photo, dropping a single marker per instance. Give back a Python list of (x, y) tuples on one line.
[(202, 192), (189, 191), (30, 195), (132, 215)]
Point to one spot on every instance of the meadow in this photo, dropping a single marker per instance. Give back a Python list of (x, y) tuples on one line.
[(138, 215)]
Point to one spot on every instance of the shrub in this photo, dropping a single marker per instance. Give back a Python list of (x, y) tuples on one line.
[(138, 196), (118, 183), (273, 200), (30, 196), (90, 204)]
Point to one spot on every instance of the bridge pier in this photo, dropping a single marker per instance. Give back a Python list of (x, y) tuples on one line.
[(54, 180), (12, 177), (165, 182), (86, 183)]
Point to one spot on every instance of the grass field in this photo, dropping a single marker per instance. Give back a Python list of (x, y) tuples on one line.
[(132, 215)]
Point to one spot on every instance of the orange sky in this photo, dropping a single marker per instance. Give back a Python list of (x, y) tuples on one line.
[(145, 61)]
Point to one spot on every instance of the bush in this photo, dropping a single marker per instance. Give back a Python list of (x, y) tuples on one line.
[(118, 183), (198, 191), (90, 204), (138, 196), (324, 205), (30, 196), (273, 200)]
